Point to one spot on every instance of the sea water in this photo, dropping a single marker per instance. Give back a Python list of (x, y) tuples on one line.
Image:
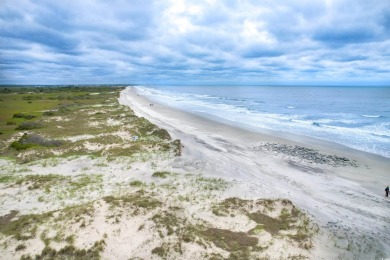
[(357, 117)]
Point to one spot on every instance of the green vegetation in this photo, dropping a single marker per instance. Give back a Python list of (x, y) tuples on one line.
[(28, 141), (8, 178), (139, 199), (161, 251), (271, 225), (61, 187), (162, 175), (29, 126), (211, 184), (66, 112), (48, 113), (25, 116), (71, 252), (25, 227), (20, 146), (229, 240), (168, 221), (137, 184), (44, 182), (20, 247), (290, 220)]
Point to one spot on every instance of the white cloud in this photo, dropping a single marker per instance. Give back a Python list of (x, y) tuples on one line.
[(182, 40)]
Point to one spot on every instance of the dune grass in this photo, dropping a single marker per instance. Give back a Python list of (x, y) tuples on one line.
[(56, 114)]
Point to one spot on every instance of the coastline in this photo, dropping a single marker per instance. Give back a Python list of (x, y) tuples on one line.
[(115, 185), (346, 200), (373, 163)]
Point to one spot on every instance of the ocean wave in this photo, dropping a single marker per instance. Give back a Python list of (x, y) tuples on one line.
[(371, 116), (350, 129)]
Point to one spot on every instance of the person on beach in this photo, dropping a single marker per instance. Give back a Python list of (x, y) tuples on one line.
[(387, 191)]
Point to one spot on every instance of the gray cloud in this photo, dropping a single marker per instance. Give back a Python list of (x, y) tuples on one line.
[(185, 42)]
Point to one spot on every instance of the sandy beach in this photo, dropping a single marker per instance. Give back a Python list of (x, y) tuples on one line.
[(107, 175), (345, 196)]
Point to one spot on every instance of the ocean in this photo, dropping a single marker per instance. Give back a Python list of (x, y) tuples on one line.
[(357, 117)]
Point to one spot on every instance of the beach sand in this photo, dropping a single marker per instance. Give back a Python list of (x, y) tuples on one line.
[(343, 194), (124, 188)]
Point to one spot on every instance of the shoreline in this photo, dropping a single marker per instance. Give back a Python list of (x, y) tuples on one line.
[(360, 139), (346, 201), (376, 163)]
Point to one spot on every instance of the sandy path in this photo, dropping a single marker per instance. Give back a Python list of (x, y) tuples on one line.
[(347, 202)]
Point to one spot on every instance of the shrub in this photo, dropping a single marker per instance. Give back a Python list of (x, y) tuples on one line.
[(20, 247), (29, 126), (10, 122), (64, 108), (177, 147), (161, 251), (161, 174), (39, 140), (229, 240), (19, 146), (136, 183), (49, 113), (28, 141), (22, 115), (162, 134)]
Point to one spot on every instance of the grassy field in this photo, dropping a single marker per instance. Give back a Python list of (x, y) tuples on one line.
[(67, 121)]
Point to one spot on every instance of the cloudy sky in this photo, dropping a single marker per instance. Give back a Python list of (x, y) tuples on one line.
[(195, 42)]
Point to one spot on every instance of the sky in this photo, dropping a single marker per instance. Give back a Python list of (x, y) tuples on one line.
[(184, 42)]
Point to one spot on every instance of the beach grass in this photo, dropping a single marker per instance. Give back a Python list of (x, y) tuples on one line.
[(102, 198), (163, 215), (88, 120)]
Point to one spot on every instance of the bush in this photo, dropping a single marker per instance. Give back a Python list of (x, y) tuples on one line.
[(177, 147), (39, 140), (162, 134), (29, 126), (161, 174), (49, 113), (136, 183), (20, 247), (25, 116), (19, 146), (10, 122), (28, 141)]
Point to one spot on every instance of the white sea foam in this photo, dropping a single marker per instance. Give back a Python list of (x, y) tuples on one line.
[(358, 131), (371, 116)]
